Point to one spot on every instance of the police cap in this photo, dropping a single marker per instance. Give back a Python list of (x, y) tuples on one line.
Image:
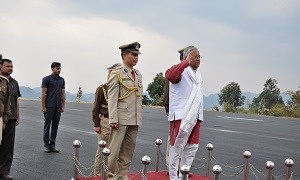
[(132, 47)]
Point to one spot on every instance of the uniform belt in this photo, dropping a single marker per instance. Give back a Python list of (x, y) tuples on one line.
[(105, 115)]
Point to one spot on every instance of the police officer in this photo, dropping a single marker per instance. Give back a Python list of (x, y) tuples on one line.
[(79, 94), (100, 118), (4, 114), (125, 91), (4, 101)]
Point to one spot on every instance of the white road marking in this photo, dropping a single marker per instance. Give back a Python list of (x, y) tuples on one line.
[(66, 128), (252, 134), (76, 109), (245, 119)]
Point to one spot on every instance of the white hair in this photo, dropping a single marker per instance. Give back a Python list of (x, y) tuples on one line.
[(188, 49)]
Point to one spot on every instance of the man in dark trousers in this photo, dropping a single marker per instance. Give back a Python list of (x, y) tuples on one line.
[(53, 104), (7, 145)]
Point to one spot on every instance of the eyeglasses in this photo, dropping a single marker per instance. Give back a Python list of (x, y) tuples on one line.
[(196, 57)]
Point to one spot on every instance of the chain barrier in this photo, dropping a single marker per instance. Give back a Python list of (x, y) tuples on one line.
[(253, 169), (80, 167), (225, 165), (200, 160), (278, 177), (110, 174), (255, 172), (215, 161)]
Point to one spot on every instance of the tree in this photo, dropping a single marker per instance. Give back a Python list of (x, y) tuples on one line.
[(294, 103), (146, 100), (156, 89), (254, 106), (270, 95), (231, 96)]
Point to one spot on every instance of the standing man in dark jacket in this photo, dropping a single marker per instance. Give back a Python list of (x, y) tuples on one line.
[(7, 145), (53, 104)]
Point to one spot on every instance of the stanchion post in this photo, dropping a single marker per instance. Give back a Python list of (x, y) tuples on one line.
[(102, 144), (158, 142), (217, 171), (289, 164), (269, 166), (146, 160), (76, 145), (106, 153), (185, 169), (209, 148), (247, 155)]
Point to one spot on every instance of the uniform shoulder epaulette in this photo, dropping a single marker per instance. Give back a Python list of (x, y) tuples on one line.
[(118, 68), (137, 71)]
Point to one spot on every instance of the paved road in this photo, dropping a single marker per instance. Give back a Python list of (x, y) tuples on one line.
[(267, 138)]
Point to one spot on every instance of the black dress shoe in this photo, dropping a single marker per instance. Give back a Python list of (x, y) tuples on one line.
[(53, 149), (47, 149), (6, 177)]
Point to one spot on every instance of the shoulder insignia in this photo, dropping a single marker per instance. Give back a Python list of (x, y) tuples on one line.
[(125, 70), (136, 71)]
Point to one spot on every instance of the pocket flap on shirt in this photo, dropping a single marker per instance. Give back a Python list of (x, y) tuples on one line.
[(122, 105)]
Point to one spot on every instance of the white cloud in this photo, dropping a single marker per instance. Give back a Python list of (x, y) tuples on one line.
[(37, 33)]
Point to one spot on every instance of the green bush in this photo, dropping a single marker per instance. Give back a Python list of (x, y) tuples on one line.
[(241, 110), (279, 110), (157, 100), (216, 108), (295, 113), (227, 107)]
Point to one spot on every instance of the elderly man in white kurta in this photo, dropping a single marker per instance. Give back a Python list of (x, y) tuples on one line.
[(186, 110)]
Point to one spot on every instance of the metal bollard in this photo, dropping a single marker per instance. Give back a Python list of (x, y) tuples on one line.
[(247, 155), (289, 164), (209, 147), (269, 166), (158, 142), (146, 160), (106, 153), (185, 169), (76, 145), (217, 171), (102, 144)]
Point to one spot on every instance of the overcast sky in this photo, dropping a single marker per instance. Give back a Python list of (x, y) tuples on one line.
[(240, 41)]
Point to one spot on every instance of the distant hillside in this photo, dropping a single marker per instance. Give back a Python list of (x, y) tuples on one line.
[(209, 101)]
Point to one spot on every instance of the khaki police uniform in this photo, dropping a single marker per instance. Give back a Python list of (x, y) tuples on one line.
[(100, 118), (125, 108), (4, 102)]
